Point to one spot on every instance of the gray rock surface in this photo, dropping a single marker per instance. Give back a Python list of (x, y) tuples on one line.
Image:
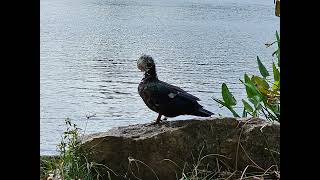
[(165, 151)]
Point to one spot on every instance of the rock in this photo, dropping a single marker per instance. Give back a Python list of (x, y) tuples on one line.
[(165, 151)]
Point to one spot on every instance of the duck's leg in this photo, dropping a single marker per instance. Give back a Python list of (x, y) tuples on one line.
[(158, 120)]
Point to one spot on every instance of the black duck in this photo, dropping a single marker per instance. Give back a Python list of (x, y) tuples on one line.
[(163, 98)]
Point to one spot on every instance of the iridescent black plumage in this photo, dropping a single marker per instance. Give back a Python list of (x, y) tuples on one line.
[(163, 98)]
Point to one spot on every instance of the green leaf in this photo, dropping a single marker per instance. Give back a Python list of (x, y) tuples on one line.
[(278, 50), (261, 84), (227, 96), (276, 73), (254, 114), (277, 8), (256, 101), (246, 78), (227, 106), (278, 39), (219, 101), (250, 93), (263, 71), (251, 88), (233, 112), (247, 106), (276, 85)]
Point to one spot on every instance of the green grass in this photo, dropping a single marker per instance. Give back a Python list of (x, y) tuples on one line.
[(215, 169), (72, 161)]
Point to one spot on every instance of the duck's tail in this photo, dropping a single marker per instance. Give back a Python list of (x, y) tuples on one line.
[(203, 113)]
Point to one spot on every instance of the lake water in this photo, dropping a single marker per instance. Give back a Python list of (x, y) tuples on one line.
[(89, 49)]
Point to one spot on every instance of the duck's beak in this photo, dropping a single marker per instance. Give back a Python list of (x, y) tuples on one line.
[(140, 68), (140, 65)]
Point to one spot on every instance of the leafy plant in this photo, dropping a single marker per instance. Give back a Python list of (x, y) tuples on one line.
[(263, 95), (72, 162)]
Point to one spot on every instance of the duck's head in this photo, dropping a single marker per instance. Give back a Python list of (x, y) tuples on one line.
[(145, 63)]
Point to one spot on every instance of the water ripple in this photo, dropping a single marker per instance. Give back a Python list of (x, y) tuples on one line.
[(88, 52)]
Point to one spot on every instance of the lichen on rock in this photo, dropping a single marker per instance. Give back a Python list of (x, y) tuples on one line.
[(163, 151)]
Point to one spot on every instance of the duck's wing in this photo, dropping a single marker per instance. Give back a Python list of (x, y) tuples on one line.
[(173, 91)]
